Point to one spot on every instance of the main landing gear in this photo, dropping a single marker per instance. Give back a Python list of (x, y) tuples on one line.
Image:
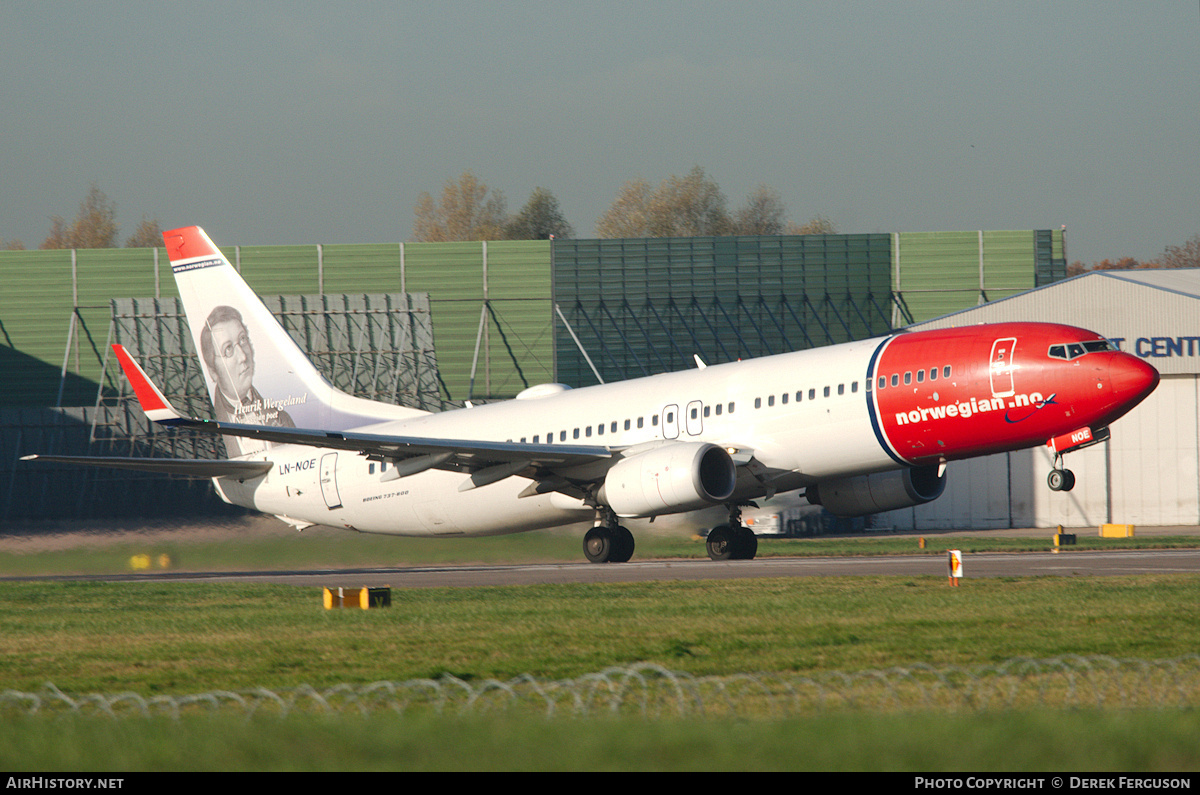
[(1060, 479), (732, 541), (608, 542)]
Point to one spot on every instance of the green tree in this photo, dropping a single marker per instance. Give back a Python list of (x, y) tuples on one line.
[(539, 219)]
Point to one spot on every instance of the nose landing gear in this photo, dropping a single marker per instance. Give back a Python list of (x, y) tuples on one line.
[(1060, 479)]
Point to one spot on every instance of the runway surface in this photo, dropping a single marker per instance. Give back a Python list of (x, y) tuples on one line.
[(988, 564)]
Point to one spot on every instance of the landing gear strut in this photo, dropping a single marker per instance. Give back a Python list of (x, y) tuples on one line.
[(732, 541), (1060, 479), (608, 542)]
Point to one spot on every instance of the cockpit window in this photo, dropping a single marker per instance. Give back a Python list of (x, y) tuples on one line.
[(1073, 350)]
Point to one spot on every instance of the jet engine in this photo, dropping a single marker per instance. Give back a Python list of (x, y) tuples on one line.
[(879, 491), (676, 477)]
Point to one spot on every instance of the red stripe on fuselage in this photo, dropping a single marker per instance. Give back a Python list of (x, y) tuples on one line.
[(1002, 391)]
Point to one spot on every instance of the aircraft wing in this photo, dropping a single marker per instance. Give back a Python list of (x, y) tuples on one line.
[(484, 459), (202, 468)]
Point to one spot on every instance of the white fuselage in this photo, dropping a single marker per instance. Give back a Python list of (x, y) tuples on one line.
[(750, 405)]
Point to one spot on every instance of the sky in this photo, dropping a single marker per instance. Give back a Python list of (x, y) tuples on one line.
[(314, 122)]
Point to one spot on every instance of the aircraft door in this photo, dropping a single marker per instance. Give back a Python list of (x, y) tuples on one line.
[(670, 421), (329, 489), (694, 418), (1001, 367)]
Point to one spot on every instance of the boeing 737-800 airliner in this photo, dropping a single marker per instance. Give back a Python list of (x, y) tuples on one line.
[(861, 427)]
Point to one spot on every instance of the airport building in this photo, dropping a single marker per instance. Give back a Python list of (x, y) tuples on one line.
[(1148, 472)]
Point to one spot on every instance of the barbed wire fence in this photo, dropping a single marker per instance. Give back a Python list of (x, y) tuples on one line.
[(651, 691)]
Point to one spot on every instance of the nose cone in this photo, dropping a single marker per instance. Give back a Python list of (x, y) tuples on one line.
[(1131, 379)]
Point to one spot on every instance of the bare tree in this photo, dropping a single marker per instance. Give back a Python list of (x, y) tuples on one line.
[(762, 214), (686, 206), (94, 227), (629, 214), (147, 235), (12, 245), (465, 212), (689, 206), (1185, 256), (819, 225)]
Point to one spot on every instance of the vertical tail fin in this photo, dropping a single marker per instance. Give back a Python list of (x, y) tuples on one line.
[(256, 374)]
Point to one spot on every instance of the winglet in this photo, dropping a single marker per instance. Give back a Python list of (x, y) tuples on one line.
[(154, 404)]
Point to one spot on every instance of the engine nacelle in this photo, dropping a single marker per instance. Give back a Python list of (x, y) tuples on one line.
[(878, 492), (676, 477)]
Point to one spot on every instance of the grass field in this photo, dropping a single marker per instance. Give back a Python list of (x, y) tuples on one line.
[(177, 638)]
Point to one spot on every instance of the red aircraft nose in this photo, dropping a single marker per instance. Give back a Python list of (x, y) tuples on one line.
[(1131, 379)]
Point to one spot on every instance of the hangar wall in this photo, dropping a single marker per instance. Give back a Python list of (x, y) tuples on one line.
[(1149, 471), (646, 306)]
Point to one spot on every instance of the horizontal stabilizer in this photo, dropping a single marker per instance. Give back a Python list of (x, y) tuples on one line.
[(154, 404), (192, 467)]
